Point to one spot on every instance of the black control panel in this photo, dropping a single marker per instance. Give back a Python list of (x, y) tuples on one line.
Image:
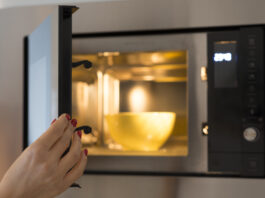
[(236, 102), (252, 72)]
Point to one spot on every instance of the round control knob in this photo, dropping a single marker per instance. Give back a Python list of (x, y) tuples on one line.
[(251, 134)]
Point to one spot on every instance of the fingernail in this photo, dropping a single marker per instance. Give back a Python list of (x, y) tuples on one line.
[(74, 122), (85, 151), (53, 121), (79, 133), (68, 117)]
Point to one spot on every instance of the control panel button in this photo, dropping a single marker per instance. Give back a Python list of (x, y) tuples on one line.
[(253, 111), (252, 100), (252, 65), (251, 88), (252, 77), (251, 53), (251, 134), (251, 41)]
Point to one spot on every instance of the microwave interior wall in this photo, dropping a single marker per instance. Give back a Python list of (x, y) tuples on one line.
[(148, 73), (122, 83)]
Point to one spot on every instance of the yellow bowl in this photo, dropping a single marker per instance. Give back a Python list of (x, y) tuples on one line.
[(146, 131)]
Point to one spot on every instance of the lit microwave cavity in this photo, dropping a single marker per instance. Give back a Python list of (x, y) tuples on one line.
[(221, 57)]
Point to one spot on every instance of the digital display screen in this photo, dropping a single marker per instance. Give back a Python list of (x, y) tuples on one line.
[(221, 57), (225, 64)]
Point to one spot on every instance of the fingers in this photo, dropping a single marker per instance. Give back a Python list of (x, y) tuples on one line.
[(55, 131), (64, 141), (77, 170), (73, 156)]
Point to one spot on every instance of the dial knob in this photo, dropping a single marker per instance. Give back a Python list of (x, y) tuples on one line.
[(251, 134)]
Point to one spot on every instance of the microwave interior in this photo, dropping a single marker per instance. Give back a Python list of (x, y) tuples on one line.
[(138, 88), (144, 96)]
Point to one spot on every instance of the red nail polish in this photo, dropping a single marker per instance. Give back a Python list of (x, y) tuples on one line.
[(74, 122), (68, 117), (79, 133), (85, 151), (53, 121)]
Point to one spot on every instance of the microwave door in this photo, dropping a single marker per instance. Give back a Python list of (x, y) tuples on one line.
[(48, 65)]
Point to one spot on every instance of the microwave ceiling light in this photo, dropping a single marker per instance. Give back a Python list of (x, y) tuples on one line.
[(138, 99), (108, 53)]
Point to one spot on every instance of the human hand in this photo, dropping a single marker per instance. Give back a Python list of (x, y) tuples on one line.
[(41, 171)]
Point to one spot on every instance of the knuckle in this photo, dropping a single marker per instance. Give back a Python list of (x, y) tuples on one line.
[(36, 148), (35, 152), (47, 167), (38, 145)]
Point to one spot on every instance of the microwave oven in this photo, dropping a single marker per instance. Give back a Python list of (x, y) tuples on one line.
[(159, 102)]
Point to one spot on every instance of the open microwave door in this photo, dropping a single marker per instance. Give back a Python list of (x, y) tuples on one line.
[(47, 73)]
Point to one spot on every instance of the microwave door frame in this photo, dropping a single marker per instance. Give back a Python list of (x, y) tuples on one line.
[(196, 45), (56, 30)]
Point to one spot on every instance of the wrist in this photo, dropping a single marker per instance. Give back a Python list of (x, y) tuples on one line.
[(4, 192)]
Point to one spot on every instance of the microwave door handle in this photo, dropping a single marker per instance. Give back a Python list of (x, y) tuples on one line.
[(87, 64), (86, 129)]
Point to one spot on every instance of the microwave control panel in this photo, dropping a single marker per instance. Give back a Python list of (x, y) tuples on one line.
[(236, 102)]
